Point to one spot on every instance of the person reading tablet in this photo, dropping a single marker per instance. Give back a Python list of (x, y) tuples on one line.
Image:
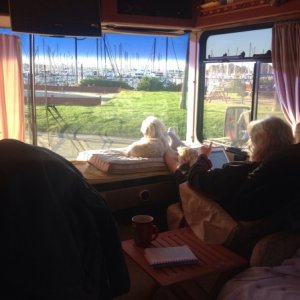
[(254, 189)]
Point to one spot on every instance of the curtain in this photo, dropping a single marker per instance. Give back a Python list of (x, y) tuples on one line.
[(12, 118), (286, 64)]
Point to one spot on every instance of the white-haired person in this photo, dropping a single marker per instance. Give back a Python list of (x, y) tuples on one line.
[(267, 183)]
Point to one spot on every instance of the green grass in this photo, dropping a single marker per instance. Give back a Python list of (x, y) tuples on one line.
[(214, 116), (120, 116)]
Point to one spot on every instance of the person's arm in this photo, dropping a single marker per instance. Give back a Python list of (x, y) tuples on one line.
[(221, 183), (199, 175), (199, 170), (181, 172)]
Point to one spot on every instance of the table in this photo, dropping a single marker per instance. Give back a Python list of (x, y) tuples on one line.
[(212, 258)]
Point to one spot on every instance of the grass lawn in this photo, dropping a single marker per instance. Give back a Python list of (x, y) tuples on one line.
[(122, 115)]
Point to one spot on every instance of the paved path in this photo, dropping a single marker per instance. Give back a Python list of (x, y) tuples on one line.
[(67, 146)]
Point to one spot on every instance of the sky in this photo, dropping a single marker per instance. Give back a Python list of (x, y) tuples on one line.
[(141, 50), (252, 42), (137, 48)]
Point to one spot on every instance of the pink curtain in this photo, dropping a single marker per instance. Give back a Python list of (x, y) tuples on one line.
[(286, 64), (12, 118)]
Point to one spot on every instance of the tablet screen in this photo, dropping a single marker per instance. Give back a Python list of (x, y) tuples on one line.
[(218, 157)]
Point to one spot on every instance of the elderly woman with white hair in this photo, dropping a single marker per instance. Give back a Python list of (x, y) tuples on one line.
[(257, 188)]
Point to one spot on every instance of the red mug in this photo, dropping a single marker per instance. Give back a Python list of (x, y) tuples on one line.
[(143, 229)]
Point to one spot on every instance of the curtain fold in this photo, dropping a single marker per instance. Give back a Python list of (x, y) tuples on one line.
[(12, 117), (286, 64)]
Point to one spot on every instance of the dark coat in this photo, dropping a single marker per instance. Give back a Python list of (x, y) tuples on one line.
[(59, 239), (272, 188), (250, 191)]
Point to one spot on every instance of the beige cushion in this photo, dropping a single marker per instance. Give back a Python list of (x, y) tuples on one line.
[(174, 216), (208, 220), (274, 248)]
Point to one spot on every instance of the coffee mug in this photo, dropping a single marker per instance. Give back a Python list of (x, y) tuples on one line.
[(143, 229)]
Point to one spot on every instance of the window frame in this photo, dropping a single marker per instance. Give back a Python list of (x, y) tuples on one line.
[(203, 61)]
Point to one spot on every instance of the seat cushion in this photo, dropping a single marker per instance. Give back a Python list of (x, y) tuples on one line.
[(268, 283), (208, 220), (274, 248)]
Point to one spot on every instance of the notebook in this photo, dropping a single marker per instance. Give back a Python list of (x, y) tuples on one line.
[(218, 157), (170, 256)]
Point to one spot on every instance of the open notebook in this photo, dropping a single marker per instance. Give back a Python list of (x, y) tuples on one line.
[(170, 256), (218, 157)]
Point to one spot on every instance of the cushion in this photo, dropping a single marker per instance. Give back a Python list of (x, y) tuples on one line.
[(208, 220), (175, 217), (274, 248), (114, 161)]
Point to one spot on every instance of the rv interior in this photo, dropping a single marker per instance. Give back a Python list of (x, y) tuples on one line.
[(78, 78)]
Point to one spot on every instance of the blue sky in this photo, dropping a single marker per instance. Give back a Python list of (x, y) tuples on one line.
[(133, 45), (138, 48), (234, 43), (252, 42)]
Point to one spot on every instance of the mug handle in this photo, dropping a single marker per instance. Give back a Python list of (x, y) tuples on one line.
[(155, 232)]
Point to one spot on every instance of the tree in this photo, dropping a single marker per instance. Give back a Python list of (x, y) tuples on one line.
[(237, 86)]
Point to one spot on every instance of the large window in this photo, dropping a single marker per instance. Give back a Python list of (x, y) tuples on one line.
[(236, 84), (94, 93)]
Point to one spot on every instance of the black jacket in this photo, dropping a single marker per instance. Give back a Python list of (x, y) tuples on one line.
[(59, 239), (272, 188), (250, 191)]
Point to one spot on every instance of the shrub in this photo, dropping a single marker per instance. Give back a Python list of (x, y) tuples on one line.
[(150, 84), (155, 84), (91, 81), (172, 87)]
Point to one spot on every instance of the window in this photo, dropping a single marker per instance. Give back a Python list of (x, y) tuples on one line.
[(94, 93), (237, 85)]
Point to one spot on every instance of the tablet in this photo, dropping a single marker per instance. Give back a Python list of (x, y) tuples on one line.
[(218, 157)]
